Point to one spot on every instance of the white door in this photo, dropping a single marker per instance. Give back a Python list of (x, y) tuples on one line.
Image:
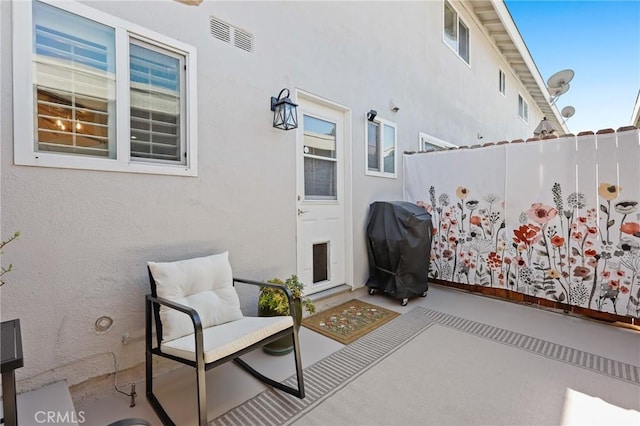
[(320, 198)]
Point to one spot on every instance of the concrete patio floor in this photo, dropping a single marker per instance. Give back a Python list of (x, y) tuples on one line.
[(229, 386)]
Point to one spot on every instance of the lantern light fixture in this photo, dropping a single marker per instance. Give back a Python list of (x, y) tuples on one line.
[(545, 128), (285, 115)]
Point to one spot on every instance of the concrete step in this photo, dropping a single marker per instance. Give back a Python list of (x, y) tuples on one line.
[(333, 297), (48, 405), (332, 292)]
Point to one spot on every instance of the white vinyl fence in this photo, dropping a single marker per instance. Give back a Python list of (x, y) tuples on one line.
[(557, 219)]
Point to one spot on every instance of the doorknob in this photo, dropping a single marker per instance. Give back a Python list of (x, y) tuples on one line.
[(302, 212)]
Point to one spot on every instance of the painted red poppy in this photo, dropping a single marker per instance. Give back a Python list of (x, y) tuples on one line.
[(526, 234), (630, 228), (541, 214), (557, 241), (590, 253), (581, 271)]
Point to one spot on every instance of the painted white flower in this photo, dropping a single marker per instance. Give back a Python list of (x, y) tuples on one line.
[(631, 261), (480, 245)]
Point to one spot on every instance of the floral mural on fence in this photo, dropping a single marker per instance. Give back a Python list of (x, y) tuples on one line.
[(574, 250)]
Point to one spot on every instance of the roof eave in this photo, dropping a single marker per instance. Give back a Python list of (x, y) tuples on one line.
[(511, 45), (635, 117)]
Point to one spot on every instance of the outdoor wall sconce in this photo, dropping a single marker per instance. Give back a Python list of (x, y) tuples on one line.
[(545, 128), (371, 115), (285, 115)]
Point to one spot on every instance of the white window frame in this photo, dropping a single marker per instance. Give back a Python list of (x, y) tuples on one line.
[(455, 45), (523, 109), (502, 82), (25, 152), (381, 173), (425, 139)]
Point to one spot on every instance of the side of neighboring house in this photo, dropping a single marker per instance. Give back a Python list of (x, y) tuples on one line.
[(635, 116), (130, 136)]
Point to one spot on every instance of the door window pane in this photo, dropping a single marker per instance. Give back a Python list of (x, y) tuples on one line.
[(319, 137), (320, 164), (319, 179), (74, 82)]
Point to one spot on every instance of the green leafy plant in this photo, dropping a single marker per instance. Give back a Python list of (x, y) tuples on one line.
[(276, 300), (4, 270)]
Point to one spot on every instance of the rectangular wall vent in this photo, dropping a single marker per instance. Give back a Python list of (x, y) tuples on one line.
[(232, 35), (243, 40), (220, 30)]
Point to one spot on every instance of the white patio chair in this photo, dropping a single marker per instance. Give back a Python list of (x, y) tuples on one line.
[(198, 322)]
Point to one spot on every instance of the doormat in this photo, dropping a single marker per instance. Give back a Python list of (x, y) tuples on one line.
[(349, 321)]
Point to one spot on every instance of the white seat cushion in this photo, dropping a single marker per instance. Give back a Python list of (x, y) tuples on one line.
[(204, 284), (228, 338)]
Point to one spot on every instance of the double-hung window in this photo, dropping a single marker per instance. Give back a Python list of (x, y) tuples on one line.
[(456, 32), (381, 148), (92, 91), (523, 109)]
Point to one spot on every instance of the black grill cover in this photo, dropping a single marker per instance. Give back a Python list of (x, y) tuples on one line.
[(399, 248)]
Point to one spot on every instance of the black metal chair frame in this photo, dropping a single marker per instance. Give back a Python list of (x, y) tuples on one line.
[(152, 305)]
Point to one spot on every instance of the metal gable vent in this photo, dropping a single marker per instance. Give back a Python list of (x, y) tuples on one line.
[(220, 30), (243, 40), (232, 35)]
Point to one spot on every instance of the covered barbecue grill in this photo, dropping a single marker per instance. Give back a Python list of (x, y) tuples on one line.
[(399, 248)]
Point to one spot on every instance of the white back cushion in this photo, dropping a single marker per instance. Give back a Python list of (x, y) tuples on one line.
[(204, 284)]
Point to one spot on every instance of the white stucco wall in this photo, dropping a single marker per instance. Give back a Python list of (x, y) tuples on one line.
[(2, 138), (86, 235)]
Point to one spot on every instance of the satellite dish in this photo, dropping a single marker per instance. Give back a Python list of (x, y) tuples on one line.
[(557, 91), (568, 111), (560, 78)]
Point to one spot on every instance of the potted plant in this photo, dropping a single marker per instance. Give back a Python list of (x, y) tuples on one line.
[(274, 302)]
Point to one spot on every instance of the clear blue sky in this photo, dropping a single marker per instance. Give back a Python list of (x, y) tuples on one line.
[(600, 41)]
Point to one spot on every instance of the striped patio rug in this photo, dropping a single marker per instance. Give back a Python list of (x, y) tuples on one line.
[(327, 376)]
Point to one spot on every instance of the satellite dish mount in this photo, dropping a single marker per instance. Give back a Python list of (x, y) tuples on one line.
[(558, 84)]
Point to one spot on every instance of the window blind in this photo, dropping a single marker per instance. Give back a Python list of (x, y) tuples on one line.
[(155, 104), (74, 82)]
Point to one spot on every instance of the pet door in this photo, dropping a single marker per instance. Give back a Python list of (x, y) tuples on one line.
[(320, 262)]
